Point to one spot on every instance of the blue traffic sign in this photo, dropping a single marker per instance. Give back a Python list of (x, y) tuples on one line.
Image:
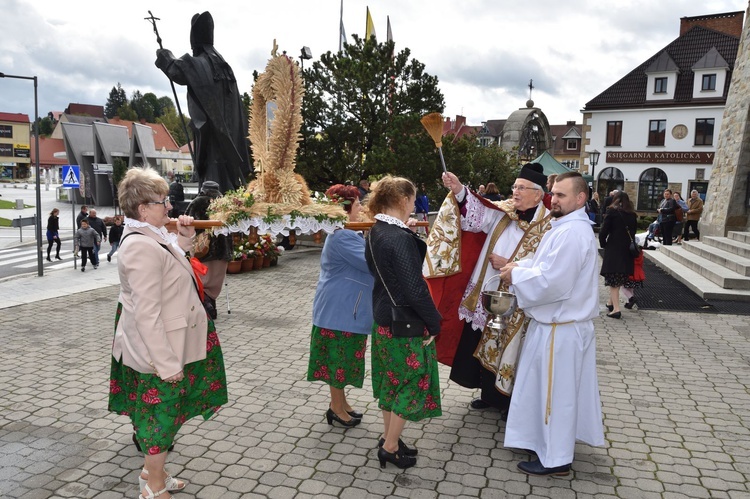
[(71, 176)]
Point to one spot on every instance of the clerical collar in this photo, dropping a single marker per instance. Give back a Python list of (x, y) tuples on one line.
[(527, 215)]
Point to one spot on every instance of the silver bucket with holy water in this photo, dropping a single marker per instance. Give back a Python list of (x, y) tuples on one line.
[(499, 304)]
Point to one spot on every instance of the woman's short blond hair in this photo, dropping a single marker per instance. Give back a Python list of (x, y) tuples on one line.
[(141, 185), (389, 192)]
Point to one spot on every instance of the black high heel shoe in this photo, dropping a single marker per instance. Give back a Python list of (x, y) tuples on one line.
[(355, 414), (332, 416), (402, 448), (615, 315), (400, 460), (610, 307), (631, 302)]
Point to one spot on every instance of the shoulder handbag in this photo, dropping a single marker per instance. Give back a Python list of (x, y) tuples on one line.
[(405, 322), (633, 248)]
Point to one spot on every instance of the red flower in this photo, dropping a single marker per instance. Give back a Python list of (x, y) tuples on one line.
[(179, 420), (132, 396), (359, 354), (347, 335), (424, 383), (113, 388), (412, 361), (150, 397), (154, 450), (340, 375), (192, 377), (216, 385), (430, 403)]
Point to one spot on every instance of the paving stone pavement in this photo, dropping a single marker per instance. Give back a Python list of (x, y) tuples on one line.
[(674, 389)]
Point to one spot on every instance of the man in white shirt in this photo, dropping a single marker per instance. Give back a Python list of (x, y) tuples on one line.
[(556, 396)]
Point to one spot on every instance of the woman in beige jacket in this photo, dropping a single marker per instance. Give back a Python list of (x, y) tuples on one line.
[(167, 365)]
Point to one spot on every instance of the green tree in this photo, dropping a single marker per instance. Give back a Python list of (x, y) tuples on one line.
[(174, 124), (126, 112), (117, 99), (145, 105), (361, 116)]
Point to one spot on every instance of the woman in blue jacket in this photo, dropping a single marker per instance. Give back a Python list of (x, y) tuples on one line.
[(342, 312)]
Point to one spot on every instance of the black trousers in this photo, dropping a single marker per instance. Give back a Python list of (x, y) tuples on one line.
[(87, 252), (686, 230), (666, 232), (50, 242), (468, 372)]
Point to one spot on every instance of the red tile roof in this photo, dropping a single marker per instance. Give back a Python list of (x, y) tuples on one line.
[(47, 149), (15, 117)]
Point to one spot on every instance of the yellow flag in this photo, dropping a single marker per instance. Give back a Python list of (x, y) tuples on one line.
[(370, 26)]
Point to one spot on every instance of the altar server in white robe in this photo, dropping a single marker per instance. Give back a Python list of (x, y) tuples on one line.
[(556, 397)]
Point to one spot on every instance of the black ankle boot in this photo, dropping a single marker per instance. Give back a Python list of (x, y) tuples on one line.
[(396, 458), (402, 448)]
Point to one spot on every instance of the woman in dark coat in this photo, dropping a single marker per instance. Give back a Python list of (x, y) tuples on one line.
[(617, 264), (53, 233), (667, 210), (404, 369)]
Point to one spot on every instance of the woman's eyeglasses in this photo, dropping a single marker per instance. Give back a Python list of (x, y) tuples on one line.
[(163, 202)]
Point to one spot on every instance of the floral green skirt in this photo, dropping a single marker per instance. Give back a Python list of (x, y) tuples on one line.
[(337, 357), (157, 408), (405, 375)]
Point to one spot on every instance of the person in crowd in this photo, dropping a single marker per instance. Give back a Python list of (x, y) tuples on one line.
[(53, 233), (547, 200), (668, 218), (213, 251), (342, 312), (364, 189), (84, 213), (176, 197), (482, 190), (607, 201), (86, 240), (618, 229), (422, 208), (692, 215), (115, 233), (556, 400), (167, 364), (100, 227), (592, 208), (680, 215), (219, 117), (492, 193), (405, 377), (510, 230)]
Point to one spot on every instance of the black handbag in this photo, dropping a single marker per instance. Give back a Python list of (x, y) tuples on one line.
[(405, 322)]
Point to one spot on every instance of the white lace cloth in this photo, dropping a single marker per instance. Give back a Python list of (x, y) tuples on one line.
[(302, 225), (166, 236)]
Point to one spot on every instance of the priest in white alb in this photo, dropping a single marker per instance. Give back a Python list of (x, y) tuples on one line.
[(556, 397)]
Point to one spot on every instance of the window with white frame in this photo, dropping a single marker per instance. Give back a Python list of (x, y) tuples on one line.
[(571, 144), (660, 85)]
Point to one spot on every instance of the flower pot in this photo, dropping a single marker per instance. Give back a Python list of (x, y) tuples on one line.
[(258, 262), (234, 267), (247, 265), (266, 261), (252, 235)]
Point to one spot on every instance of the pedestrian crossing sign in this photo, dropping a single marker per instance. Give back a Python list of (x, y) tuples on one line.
[(71, 175)]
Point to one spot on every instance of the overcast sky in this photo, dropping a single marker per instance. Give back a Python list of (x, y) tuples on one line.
[(484, 52)]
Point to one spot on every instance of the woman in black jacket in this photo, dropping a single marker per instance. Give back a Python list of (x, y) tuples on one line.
[(53, 233), (667, 210), (615, 235), (404, 369)]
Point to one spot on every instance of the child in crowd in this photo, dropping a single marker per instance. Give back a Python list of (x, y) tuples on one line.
[(86, 239), (634, 281)]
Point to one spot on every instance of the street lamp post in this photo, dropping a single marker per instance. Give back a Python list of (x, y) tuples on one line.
[(593, 160), (305, 55), (39, 264)]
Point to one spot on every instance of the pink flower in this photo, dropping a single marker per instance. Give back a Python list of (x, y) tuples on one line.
[(340, 375), (359, 354), (113, 387), (216, 385), (412, 361), (154, 450), (132, 396), (150, 397), (424, 383), (192, 377)]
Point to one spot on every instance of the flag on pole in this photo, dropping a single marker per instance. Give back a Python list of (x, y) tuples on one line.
[(342, 33), (370, 27)]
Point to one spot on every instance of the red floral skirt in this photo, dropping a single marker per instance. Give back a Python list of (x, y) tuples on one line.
[(157, 408), (337, 357)]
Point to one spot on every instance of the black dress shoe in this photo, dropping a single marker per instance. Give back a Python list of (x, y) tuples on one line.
[(402, 448), (615, 315), (355, 414), (332, 416), (49, 259), (396, 458), (535, 468), (610, 307), (479, 404), (632, 301)]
